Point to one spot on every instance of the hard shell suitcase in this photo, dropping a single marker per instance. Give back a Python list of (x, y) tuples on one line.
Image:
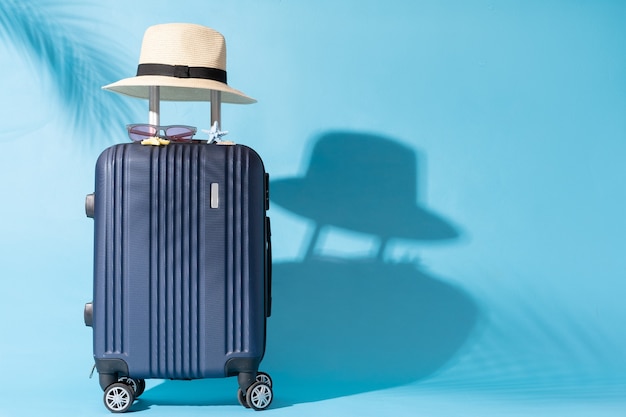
[(182, 268)]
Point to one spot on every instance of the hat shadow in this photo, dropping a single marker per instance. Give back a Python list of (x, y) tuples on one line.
[(347, 326), (364, 183)]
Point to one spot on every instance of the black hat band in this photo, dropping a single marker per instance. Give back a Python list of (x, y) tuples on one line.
[(182, 71)]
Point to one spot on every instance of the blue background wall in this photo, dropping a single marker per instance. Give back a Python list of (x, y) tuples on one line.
[(480, 269)]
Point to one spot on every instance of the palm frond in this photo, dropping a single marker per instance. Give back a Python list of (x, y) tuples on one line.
[(77, 60)]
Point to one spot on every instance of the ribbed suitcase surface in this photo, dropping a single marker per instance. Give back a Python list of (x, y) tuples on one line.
[(180, 258)]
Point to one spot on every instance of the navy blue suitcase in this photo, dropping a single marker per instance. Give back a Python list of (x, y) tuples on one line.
[(182, 268)]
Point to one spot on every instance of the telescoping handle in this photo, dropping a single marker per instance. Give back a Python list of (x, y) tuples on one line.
[(216, 108), (154, 104)]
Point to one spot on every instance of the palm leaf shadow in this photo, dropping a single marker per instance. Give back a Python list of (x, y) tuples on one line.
[(75, 57)]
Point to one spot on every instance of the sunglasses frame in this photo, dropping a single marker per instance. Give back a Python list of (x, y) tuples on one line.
[(158, 129)]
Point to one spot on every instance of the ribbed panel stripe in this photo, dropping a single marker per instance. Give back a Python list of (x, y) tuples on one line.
[(175, 283), (237, 265), (114, 287)]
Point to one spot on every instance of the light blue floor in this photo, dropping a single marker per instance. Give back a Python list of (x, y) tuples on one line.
[(80, 396)]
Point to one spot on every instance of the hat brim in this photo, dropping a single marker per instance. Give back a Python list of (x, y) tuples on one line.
[(386, 218), (178, 89)]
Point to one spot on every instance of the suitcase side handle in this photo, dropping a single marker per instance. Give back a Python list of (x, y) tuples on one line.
[(268, 268), (267, 191), (90, 205)]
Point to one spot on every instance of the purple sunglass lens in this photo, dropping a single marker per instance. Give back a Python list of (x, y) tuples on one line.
[(138, 133), (179, 133)]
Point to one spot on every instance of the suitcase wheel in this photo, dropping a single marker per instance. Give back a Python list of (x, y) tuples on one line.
[(118, 397), (241, 397), (138, 385), (264, 377), (259, 396)]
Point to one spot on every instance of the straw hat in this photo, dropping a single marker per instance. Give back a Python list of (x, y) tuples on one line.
[(186, 60)]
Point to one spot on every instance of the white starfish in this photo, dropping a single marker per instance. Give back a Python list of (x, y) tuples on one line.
[(215, 134)]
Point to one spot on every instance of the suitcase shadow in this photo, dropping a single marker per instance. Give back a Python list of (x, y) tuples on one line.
[(220, 392), (347, 327)]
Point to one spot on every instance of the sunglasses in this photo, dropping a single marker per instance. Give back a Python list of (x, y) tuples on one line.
[(176, 133)]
